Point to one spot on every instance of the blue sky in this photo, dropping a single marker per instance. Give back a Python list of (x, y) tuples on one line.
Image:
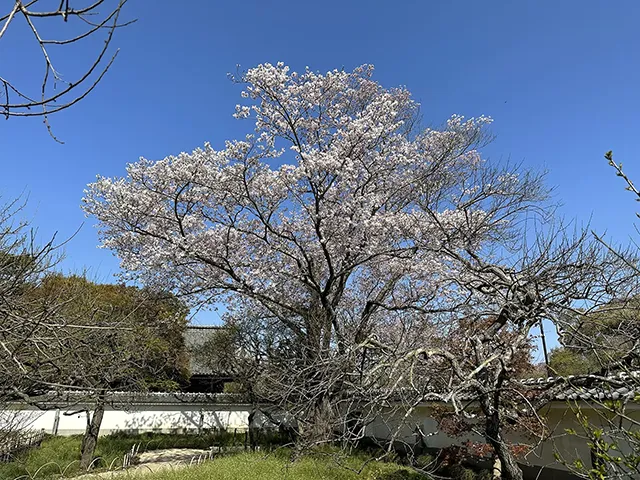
[(560, 79)]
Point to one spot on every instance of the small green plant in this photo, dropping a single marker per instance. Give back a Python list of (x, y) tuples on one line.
[(233, 387), (425, 461), (460, 472), (484, 475)]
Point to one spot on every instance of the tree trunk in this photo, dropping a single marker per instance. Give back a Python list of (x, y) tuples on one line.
[(90, 438), (320, 423), (509, 466), (251, 429)]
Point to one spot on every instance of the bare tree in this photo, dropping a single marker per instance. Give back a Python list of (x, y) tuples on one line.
[(70, 342), (109, 338), (608, 339), (482, 356), (25, 320), (81, 21)]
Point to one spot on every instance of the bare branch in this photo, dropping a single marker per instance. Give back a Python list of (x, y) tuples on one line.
[(17, 102)]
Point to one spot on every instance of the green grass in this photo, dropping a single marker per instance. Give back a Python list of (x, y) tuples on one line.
[(58, 456), (257, 466), (61, 450)]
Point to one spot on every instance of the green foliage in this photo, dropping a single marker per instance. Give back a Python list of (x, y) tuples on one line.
[(425, 460), (484, 475), (602, 340), (99, 338), (119, 337), (605, 434), (565, 361), (233, 387)]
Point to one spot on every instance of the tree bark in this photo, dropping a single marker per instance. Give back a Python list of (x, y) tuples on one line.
[(252, 429), (320, 423), (509, 466), (90, 438)]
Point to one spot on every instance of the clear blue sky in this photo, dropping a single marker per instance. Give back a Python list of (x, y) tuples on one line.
[(560, 78)]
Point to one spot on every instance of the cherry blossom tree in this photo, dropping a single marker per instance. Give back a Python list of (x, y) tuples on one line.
[(352, 229)]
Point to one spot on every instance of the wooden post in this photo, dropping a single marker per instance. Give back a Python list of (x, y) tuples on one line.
[(56, 423), (497, 468)]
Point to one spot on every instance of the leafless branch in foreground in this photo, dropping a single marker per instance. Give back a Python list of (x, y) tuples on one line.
[(102, 17)]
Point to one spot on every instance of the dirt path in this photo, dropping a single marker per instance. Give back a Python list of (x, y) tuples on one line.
[(154, 461)]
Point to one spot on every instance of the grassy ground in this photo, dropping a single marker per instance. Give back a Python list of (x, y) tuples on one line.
[(257, 466), (59, 456)]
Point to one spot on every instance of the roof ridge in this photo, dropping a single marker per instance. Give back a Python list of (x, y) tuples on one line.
[(623, 375), (206, 327)]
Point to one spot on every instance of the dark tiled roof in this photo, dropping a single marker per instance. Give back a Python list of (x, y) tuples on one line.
[(194, 338), (125, 399), (621, 386)]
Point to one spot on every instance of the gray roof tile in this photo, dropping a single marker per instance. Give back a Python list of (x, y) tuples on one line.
[(194, 338)]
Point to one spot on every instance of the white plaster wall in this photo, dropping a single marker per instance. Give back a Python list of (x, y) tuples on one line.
[(27, 419), (161, 418)]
